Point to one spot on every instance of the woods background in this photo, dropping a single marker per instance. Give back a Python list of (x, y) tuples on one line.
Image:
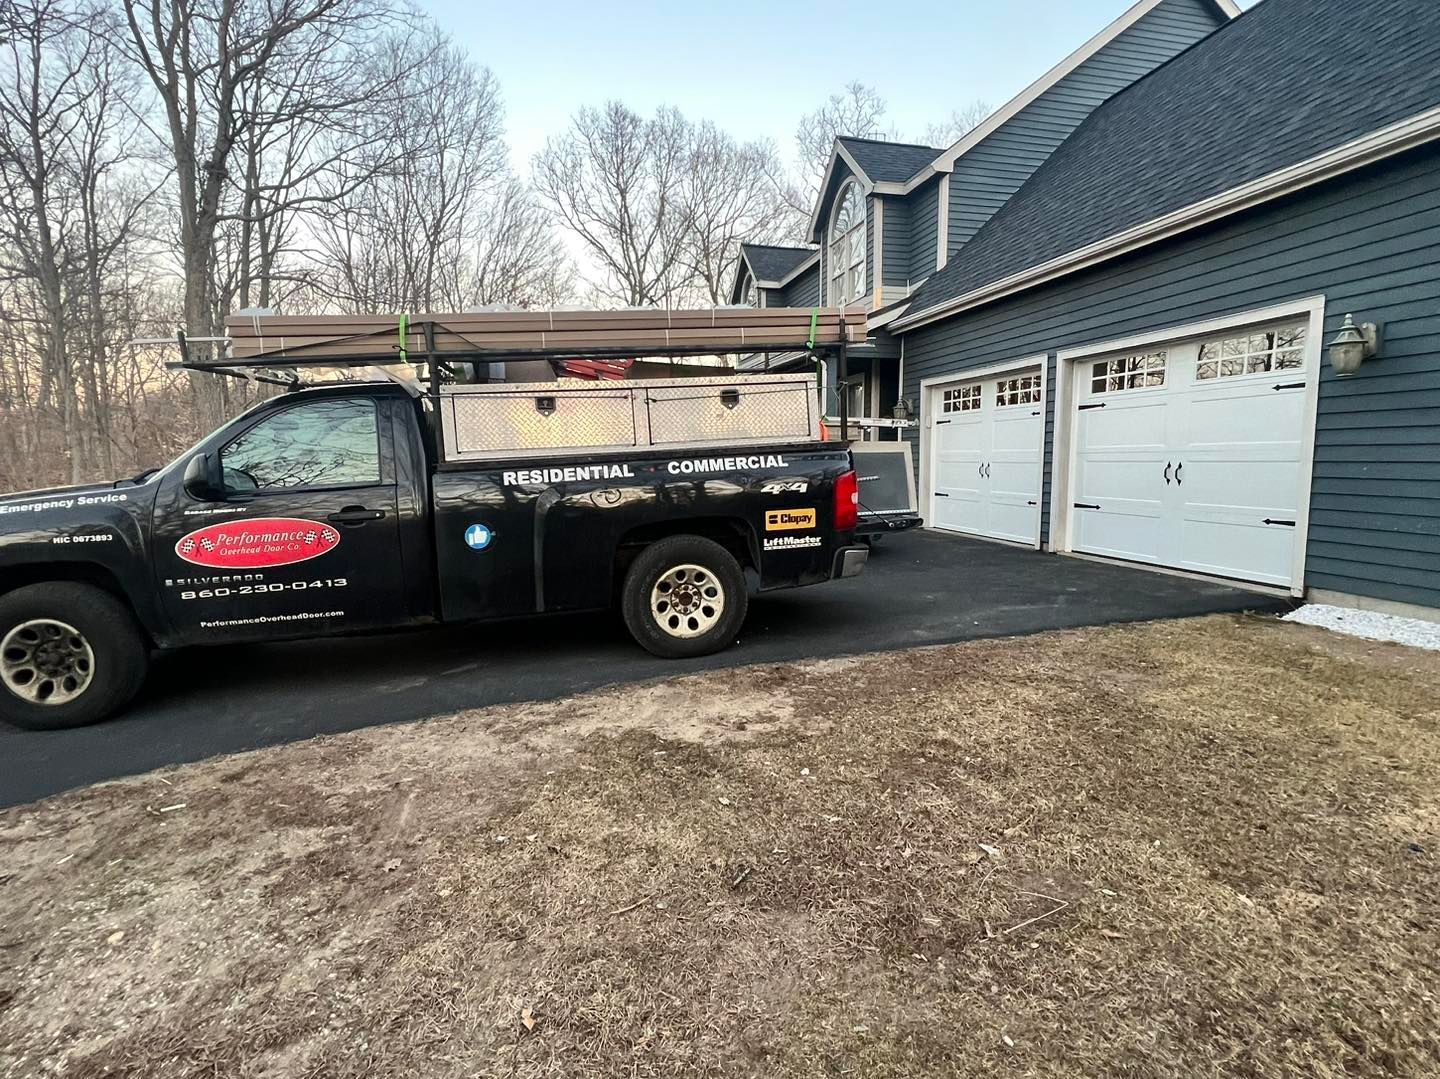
[(165, 162)]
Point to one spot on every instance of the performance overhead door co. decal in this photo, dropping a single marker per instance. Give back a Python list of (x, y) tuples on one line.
[(789, 520), (257, 542)]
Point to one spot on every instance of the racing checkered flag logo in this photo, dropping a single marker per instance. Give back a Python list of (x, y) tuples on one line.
[(329, 537), (187, 546), (311, 536), (208, 544)]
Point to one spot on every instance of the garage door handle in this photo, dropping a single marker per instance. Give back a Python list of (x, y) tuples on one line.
[(941, 494), (1288, 386), (1086, 506), (1269, 521), (1082, 408), (987, 471), (1177, 473), (1167, 473)]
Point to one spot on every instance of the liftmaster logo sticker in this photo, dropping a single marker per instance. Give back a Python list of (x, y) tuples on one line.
[(789, 520), (257, 542)]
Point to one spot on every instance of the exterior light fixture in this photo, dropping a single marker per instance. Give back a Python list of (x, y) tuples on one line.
[(1353, 345), (901, 411)]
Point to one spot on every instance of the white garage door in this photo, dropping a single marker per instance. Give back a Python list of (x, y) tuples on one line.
[(987, 443), (1189, 455)]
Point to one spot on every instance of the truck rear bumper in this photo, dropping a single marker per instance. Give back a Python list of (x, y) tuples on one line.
[(850, 561)]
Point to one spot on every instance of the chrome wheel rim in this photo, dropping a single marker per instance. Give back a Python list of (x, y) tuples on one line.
[(46, 662), (687, 601)]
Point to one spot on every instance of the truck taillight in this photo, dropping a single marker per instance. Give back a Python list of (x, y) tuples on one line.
[(847, 502)]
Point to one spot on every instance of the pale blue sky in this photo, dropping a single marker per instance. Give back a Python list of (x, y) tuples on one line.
[(755, 68)]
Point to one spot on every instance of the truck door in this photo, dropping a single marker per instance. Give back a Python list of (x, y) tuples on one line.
[(305, 540)]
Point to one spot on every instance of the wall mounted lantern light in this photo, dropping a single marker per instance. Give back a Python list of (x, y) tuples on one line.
[(902, 409), (1353, 345)]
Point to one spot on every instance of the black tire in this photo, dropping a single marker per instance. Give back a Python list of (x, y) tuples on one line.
[(683, 637), (121, 654)]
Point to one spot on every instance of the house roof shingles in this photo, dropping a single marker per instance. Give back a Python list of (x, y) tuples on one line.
[(889, 162), (772, 263), (1282, 83)]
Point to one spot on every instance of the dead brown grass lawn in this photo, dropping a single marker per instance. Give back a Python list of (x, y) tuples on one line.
[(1189, 848)]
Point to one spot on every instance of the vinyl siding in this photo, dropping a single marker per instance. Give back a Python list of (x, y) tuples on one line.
[(994, 170), (803, 291), (895, 246), (869, 246), (1370, 243), (924, 225)]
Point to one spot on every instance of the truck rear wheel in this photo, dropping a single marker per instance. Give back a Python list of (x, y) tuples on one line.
[(684, 596), (70, 654)]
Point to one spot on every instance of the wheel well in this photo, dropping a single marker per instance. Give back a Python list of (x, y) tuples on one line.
[(13, 577), (732, 533)]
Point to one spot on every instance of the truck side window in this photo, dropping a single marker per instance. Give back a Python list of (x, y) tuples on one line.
[(321, 444)]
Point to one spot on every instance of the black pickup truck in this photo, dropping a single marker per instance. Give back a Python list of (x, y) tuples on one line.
[(333, 511)]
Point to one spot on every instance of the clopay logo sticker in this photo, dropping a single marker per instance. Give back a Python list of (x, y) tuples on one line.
[(258, 542)]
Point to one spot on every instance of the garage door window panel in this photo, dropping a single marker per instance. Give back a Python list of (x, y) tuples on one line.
[(1255, 352), (1139, 371), (961, 399), (1010, 392)]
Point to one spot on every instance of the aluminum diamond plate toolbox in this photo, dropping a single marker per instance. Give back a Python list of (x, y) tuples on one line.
[(539, 419)]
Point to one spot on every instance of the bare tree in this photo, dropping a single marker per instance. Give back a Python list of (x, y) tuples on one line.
[(614, 180), (444, 224), (857, 111), (957, 125), (201, 56), (728, 195)]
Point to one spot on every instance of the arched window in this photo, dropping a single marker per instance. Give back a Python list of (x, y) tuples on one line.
[(847, 246)]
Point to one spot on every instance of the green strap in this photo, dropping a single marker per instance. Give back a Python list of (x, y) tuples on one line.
[(814, 321), (404, 332)]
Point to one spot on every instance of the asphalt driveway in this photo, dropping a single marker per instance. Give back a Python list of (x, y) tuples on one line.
[(920, 588)]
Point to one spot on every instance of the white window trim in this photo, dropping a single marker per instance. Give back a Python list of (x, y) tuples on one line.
[(830, 241), (929, 397), (1067, 383), (942, 232)]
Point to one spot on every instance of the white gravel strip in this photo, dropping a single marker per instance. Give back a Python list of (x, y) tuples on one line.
[(1371, 625)]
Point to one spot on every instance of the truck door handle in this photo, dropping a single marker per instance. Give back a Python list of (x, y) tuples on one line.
[(355, 515)]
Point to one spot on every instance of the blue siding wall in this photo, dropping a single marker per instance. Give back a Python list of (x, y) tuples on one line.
[(994, 170), (1370, 243), (804, 291), (895, 243), (924, 226)]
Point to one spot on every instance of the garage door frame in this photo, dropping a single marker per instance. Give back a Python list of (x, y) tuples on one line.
[(930, 389), (1063, 448)]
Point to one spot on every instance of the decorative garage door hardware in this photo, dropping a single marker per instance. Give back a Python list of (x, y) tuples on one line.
[(1288, 386), (1270, 521), (1177, 467), (1098, 404), (1086, 506), (983, 471)]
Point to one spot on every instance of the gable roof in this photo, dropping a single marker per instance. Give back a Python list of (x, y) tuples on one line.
[(1284, 84), (772, 264), (887, 162)]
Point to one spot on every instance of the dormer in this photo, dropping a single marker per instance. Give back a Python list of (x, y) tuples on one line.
[(768, 275)]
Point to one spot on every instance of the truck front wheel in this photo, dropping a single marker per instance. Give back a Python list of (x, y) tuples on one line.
[(684, 596), (70, 654)]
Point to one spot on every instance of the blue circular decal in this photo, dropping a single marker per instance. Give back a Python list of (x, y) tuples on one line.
[(478, 537)]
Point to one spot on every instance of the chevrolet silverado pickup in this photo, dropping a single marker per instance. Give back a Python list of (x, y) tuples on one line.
[(362, 507)]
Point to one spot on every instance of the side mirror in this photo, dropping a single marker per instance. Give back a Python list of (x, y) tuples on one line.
[(203, 479)]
